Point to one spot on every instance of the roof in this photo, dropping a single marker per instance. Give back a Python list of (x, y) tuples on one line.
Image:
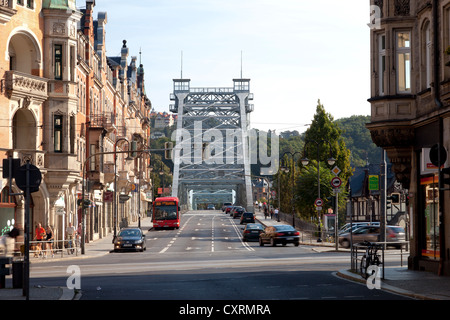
[(59, 4), (358, 181)]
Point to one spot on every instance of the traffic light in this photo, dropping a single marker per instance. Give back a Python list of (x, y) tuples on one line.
[(331, 201), (168, 146), (133, 153), (445, 174), (395, 198)]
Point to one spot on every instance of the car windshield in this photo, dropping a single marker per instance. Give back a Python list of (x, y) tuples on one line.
[(255, 226), (284, 228), (165, 212), (130, 233)]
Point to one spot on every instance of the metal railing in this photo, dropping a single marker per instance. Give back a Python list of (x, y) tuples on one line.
[(359, 250), (59, 248)]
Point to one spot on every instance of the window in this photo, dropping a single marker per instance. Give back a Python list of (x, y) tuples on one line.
[(381, 63), (58, 62), (430, 240), (427, 55), (72, 134), (403, 51), (58, 130)]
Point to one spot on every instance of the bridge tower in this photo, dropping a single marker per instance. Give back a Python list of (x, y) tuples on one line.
[(211, 156)]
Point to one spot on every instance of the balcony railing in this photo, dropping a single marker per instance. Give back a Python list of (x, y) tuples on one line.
[(21, 85)]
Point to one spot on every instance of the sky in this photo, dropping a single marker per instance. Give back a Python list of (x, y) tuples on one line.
[(294, 51)]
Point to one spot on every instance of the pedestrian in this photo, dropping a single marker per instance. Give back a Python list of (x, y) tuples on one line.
[(50, 240), (79, 231), (39, 236), (266, 212), (271, 213), (276, 215), (70, 232), (260, 205)]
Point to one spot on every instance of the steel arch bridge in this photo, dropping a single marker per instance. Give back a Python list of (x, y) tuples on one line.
[(211, 156)]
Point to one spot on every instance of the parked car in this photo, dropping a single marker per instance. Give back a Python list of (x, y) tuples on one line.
[(356, 225), (238, 212), (211, 207), (225, 205), (130, 239), (252, 231), (283, 234), (371, 233), (247, 217)]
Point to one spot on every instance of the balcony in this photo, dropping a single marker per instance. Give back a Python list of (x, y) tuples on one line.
[(6, 11), (63, 162), (102, 121), (25, 86)]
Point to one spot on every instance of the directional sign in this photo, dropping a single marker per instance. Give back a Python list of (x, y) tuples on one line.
[(318, 202), (336, 182)]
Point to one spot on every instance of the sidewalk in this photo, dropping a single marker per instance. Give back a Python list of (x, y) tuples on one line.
[(416, 284), (419, 285), (93, 249)]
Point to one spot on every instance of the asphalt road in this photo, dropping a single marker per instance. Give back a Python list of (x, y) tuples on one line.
[(206, 260)]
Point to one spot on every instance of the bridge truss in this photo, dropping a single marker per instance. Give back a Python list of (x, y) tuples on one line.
[(211, 162)]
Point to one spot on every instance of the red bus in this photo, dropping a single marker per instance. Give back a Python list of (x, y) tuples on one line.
[(166, 213)]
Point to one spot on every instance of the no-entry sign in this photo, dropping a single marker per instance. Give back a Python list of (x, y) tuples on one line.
[(336, 182), (318, 202)]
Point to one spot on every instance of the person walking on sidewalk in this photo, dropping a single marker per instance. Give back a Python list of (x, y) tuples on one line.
[(49, 243), (277, 218), (70, 231)]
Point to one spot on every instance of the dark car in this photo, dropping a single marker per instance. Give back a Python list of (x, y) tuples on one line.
[(238, 212), (130, 239), (252, 231), (233, 209), (211, 207), (247, 217), (283, 234)]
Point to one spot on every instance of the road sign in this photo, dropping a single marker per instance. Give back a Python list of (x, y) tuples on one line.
[(373, 182), (318, 202), (123, 198), (336, 170), (35, 178), (336, 182)]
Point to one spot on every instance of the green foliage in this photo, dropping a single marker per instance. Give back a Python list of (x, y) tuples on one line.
[(358, 140)]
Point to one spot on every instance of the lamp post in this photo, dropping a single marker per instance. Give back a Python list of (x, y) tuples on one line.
[(284, 168), (305, 161), (115, 184)]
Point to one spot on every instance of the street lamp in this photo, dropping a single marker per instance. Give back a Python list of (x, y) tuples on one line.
[(115, 183), (305, 161), (284, 168)]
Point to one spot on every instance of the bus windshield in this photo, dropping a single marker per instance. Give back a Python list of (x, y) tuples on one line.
[(165, 213)]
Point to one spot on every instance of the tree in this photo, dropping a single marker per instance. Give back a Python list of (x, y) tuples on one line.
[(322, 140)]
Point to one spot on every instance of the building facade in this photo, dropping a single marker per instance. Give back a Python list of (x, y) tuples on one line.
[(66, 107), (410, 116)]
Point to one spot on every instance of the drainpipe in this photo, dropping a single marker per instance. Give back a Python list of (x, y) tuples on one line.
[(439, 104)]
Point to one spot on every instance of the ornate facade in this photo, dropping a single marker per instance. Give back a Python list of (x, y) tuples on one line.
[(62, 100), (410, 115)]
